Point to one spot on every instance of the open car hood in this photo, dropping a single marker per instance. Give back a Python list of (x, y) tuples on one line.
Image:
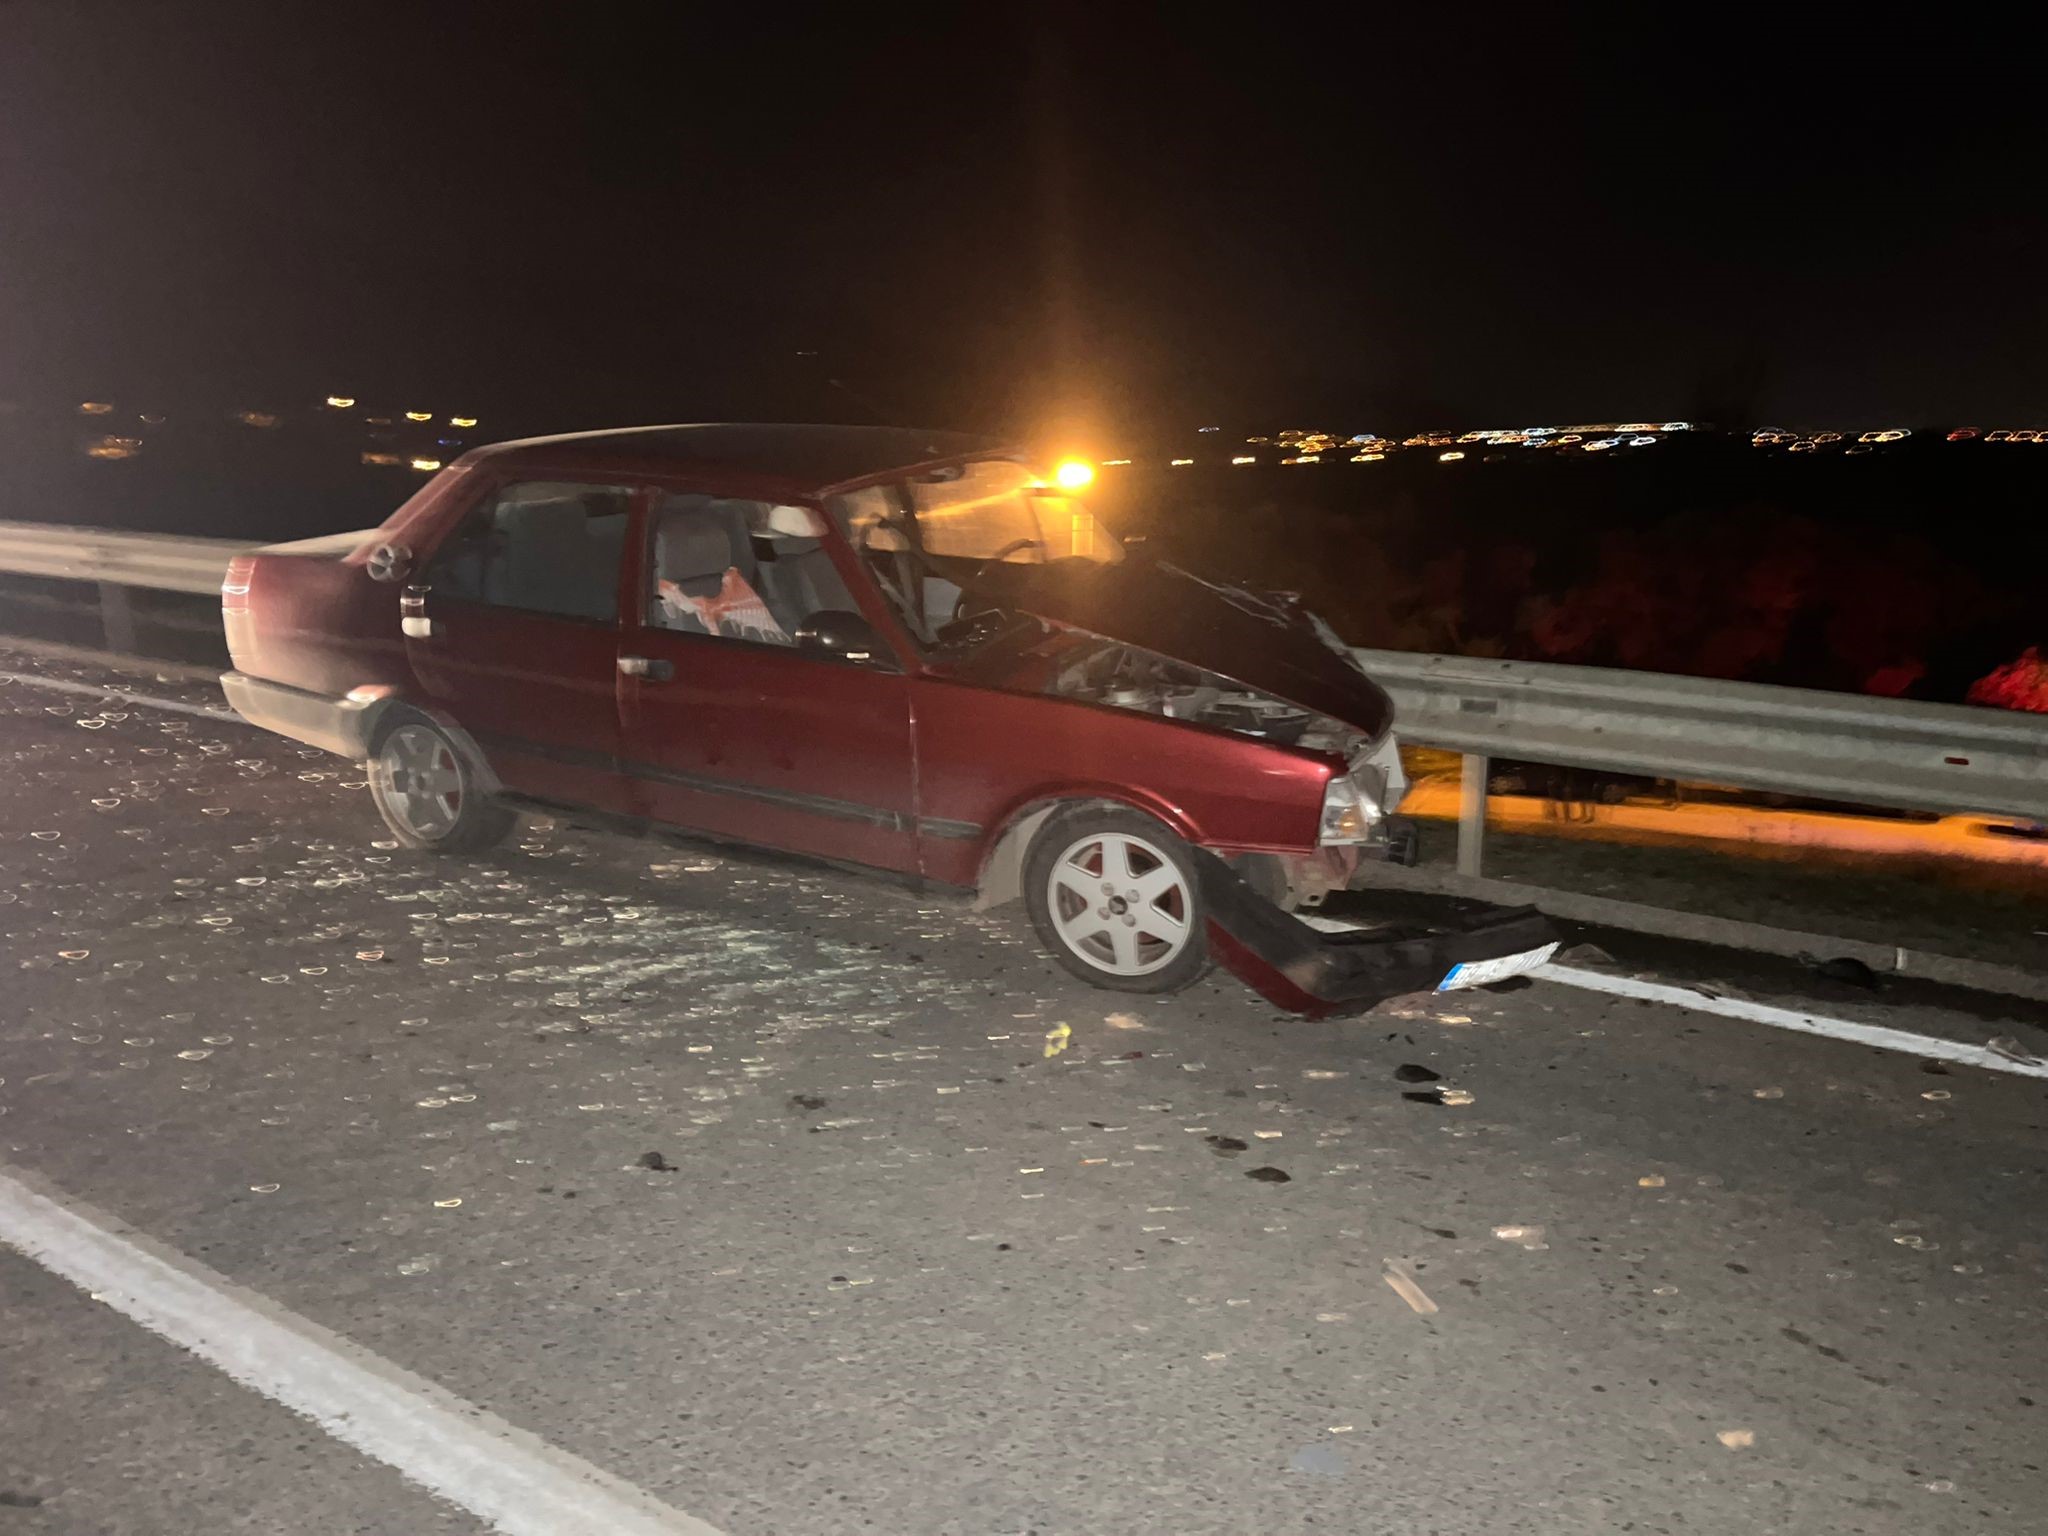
[(1265, 644)]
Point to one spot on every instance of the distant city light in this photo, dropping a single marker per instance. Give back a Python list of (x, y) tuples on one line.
[(341, 402), (1367, 458), (373, 456), (1206, 429), (1244, 458), (93, 408), (1073, 474), (425, 466), (1304, 458), (262, 420), (419, 415), (113, 447), (1179, 463), (377, 421), (1107, 462), (1449, 458), (461, 421), (150, 421)]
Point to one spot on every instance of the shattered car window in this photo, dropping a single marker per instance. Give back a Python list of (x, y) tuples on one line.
[(926, 537), (998, 509)]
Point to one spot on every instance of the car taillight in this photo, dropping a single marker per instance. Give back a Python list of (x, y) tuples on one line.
[(234, 587)]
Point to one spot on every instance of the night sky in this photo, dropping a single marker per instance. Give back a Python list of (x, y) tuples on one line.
[(1034, 219)]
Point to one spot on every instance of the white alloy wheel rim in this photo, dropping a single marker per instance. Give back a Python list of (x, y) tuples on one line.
[(1119, 903), (421, 780)]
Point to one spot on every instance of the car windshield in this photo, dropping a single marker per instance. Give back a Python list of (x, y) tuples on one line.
[(926, 537)]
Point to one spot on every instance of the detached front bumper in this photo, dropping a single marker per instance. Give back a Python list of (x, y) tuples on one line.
[(1307, 971)]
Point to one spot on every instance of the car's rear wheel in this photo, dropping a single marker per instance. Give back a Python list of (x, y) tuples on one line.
[(1114, 895), (426, 789)]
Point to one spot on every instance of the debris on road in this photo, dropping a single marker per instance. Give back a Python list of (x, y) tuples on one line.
[(1737, 1439), (1768, 1093), (1226, 1146), (1848, 970), (2008, 1046), (1528, 1237), (1650, 1181), (1319, 1460), (655, 1162), (1409, 1072), (1439, 1096), (1123, 1021), (1269, 1175), (1056, 1039), (1405, 1287)]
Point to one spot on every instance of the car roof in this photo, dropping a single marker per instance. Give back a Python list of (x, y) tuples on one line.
[(768, 458)]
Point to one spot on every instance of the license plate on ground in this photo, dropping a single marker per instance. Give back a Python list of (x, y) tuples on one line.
[(1483, 973)]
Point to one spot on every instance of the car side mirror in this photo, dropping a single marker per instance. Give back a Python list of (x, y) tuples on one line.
[(845, 633)]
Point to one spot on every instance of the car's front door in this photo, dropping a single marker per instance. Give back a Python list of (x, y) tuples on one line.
[(731, 726), (513, 632)]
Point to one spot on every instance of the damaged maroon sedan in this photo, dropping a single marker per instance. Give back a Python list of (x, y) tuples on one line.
[(893, 649)]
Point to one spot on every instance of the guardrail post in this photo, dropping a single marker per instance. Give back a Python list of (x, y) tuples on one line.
[(1473, 772), (117, 618)]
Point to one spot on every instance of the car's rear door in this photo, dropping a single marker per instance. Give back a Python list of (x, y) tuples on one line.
[(513, 631), (731, 727)]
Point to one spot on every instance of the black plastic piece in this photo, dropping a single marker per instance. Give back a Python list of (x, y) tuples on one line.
[(1308, 971)]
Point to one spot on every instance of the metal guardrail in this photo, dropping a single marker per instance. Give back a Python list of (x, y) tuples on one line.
[(121, 562), (1827, 746), (157, 562), (1897, 753)]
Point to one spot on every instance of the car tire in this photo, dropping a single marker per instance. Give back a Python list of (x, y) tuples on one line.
[(1115, 896), (427, 787)]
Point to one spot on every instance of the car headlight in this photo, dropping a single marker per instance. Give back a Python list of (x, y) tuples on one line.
[(1349, 813)]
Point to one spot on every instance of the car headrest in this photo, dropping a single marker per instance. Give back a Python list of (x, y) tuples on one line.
[(689, 547)]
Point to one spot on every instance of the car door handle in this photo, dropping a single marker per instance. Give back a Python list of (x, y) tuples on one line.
[(648, 667), (412, 613)]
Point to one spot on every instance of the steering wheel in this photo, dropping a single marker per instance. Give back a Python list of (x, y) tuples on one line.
[(981, 571)]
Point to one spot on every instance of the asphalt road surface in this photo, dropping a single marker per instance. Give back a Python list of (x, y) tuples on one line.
[(901, 1262)]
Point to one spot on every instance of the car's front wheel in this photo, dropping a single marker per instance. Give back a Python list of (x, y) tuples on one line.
[(426, 790), (1115, 897)]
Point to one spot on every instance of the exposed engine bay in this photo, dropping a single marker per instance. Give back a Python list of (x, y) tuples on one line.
[(1124, 677)]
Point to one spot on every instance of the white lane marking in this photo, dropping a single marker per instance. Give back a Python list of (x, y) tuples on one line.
[(100, 691), (1786, 1018), (512, 1480)]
